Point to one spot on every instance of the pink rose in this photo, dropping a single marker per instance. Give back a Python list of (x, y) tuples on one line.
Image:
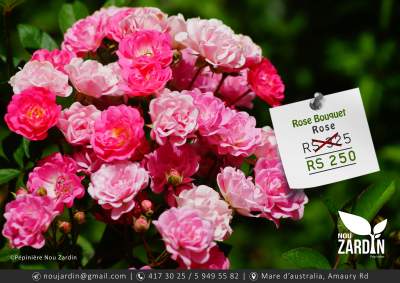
[(265, 81), (76, 123), (171, 168), (228, 131), (56, 174), (251, 51), (176, 24), (145, 44), (211, 111), (87, 161), (210, 162), (105, 15), (235, 91), (115, 186), (27, 218), (117, 133), (41, 74), (187, 236), (279, 200), (58, 58), (238, 136), (133, 19), (210, 206), (84, 36), (112, 29), (268, 146), (217, 261), (207, 81), (240, 192), (32, 113), (107, 12), (214, 41), (185, 70), (92, 78), (144, 78), (174, 118)]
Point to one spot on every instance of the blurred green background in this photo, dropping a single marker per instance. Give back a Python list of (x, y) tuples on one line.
[(325, 46)]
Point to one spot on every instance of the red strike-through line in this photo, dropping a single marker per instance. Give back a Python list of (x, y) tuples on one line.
[(328, 141)]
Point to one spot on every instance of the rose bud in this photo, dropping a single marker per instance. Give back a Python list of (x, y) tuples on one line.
[(20, 192), (174, 178), (79, 217), (147, 207), (64, 227), (141, 224)]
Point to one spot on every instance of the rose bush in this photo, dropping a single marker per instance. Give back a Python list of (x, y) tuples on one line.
[(152, 135)]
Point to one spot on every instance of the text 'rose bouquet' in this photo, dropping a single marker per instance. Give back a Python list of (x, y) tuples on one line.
[(153, 136)]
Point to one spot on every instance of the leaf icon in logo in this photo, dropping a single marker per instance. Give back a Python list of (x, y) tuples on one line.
[(356, 224), (380, 227)]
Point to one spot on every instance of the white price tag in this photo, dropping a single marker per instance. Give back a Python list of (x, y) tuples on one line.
[(328, 145)]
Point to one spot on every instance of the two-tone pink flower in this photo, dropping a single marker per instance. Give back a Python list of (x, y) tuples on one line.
[(56, 176), (114, 186)]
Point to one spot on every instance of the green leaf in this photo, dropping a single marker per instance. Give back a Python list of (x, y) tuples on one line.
[(118, 3), (306, 258), (2, 154), (66, 17), (4, 133), (70, 13), (140, 253), (337, 196), (29, 36), (47, 42), (19, 154), (20, 181), (80, 10), (50, 149), (370, 201), (7, 175), (65, 102), (245, 167), (6, 253), (33, 38), (36, 266), (371, 93), (93, 230), (9, 5), (26, 143), (390, 153), (87, 249)]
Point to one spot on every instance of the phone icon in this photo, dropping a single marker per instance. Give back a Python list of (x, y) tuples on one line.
[(140, 276)]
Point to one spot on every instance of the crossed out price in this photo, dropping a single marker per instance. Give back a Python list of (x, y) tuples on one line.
[(329, 154), (325, 145)]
